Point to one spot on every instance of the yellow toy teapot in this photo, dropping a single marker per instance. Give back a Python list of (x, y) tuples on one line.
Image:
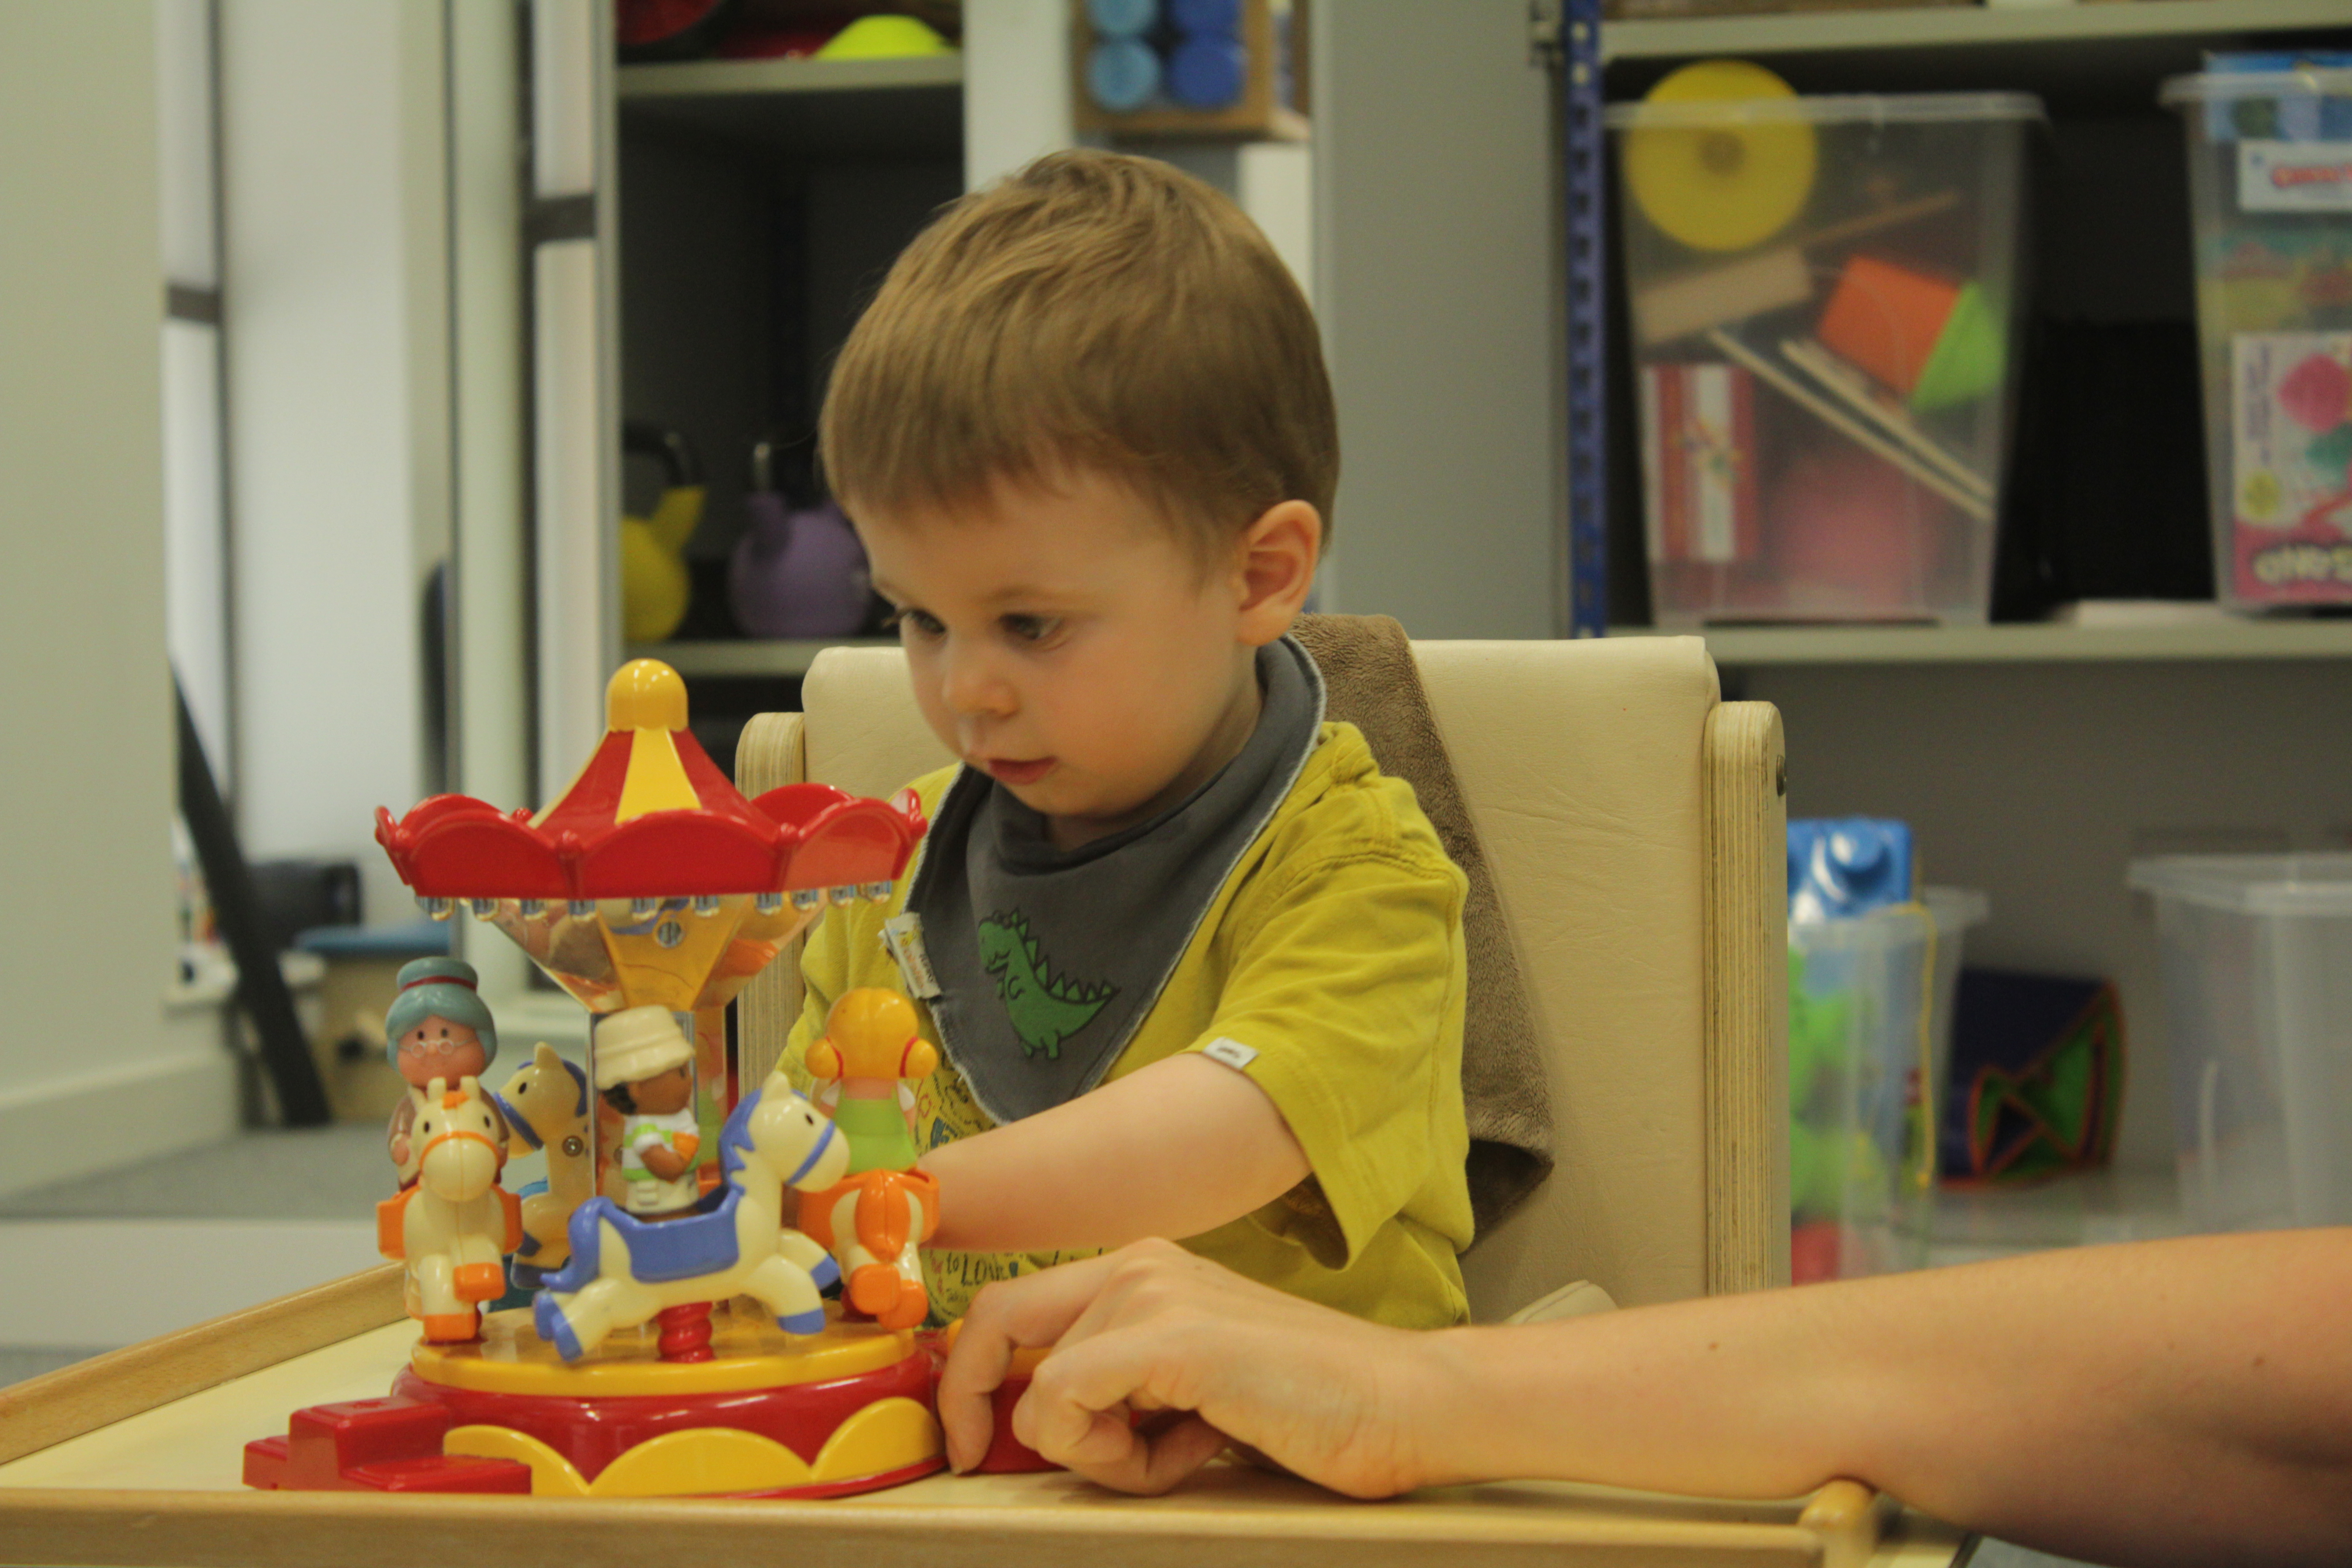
[(654, 586)]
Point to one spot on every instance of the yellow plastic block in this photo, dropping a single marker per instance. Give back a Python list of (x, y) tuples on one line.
[(707, 1460), (887, 1434), (551, 1475)]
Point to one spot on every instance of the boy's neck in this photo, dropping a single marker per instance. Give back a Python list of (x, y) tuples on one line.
[(1223, 743)]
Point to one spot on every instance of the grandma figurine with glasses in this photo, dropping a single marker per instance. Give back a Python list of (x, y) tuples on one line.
[(437, 1027)]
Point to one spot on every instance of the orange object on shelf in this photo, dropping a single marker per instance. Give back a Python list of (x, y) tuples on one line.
[(1887, 319)]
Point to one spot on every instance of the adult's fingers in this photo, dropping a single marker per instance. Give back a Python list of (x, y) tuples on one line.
[(1031, 1311), (1108, 1447)]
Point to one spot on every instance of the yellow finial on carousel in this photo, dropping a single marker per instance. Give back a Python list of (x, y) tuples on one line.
[(648, 699), (644, 694)]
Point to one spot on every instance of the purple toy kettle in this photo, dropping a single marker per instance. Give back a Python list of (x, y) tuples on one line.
[(795, 573)]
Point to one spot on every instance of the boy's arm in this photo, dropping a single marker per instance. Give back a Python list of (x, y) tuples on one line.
[(1174, 1149), (1341, 990)]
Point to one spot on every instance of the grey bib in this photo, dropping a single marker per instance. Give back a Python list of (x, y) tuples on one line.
[(1048, 960)]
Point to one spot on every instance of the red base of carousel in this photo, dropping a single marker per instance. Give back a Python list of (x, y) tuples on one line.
[(844, 1412)]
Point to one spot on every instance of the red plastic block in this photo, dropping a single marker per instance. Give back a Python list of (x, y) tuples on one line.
[(264, 1463), (326, 1442), (442, 1473)]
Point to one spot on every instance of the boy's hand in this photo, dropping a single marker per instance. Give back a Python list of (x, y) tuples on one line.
[(1153, 1328)]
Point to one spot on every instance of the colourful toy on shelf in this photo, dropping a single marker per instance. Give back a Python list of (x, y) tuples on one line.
[(1721, 181), (546, 1105), (652, 891), (873, 1221), (797, 571), (452, 1226), (655, 587), (1935, 342), (437, 1027)]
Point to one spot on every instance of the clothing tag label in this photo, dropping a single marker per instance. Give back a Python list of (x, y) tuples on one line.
[(903, 935), (1231, 1052)]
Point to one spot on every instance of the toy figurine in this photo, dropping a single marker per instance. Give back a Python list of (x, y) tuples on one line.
[(624, 1270), (873, 1221), (452, 1224), (644, 1069), (437, 1027), (870, 1045), (546, 1103)]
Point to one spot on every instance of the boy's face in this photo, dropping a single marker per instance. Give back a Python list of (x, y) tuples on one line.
[(1073, 647)]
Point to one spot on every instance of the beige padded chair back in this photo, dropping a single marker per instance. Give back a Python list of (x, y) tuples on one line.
[(1634, 824)]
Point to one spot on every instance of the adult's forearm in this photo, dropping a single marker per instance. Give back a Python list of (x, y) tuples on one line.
[(2154, 1401)]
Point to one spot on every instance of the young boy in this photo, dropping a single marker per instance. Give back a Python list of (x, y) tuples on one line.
[(1195, 966)]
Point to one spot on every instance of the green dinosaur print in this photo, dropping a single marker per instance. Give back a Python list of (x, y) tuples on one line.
[(1044, 1010)]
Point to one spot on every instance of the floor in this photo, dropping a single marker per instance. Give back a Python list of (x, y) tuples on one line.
[(227, 1226)]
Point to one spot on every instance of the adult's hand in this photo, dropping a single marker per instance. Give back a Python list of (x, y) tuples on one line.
[(1152, 1328)]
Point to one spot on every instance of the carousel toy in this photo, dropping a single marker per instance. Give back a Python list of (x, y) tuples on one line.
[(679, 1342)]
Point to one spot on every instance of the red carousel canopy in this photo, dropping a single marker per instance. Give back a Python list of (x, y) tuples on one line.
[(651, 817)]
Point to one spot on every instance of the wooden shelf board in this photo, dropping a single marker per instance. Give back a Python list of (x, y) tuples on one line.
[(751, 658), (2247, 639), (754, 78), (1681, 36)]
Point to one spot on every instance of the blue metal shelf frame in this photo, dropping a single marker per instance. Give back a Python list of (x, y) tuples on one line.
[(1586, 235)]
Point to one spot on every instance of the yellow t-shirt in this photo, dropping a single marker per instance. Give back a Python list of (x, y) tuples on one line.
[(1334, 951)]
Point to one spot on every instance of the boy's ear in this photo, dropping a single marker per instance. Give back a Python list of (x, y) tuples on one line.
[(1276, 559)]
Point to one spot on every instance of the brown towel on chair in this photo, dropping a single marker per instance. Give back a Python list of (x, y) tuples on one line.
[(1372, 683)]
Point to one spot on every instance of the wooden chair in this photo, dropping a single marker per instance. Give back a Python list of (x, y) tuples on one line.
[(1634, 824)]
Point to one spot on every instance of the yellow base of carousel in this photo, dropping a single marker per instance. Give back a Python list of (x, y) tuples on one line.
[(769, 1415)]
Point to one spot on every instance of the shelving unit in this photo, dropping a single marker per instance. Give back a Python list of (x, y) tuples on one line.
[(801, 110), (759, 201), (2234, 639), (2034, 762), (736, 659), (1961, 24), (741, 79)]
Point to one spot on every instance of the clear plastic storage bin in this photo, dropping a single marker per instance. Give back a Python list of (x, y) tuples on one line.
[(2270, 174), (2257, 965), (1870, 1022), (1823, 311)]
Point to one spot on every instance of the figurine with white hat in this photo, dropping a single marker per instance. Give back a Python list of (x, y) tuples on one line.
[(644, 1070)]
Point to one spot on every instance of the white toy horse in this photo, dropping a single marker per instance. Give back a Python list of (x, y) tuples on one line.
[(453, 1224), (546, 1103), (624, 1270)]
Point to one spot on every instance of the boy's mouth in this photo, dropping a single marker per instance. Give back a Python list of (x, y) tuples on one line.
[(1006, 771)]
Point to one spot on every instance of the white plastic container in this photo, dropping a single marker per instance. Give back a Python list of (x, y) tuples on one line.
[(2257, 965), (1824, 309), (1870, 1022), (2270, 178)]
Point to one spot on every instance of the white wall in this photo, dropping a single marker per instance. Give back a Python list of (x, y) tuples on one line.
[(1016, 85), (93, 1070), (334, 269), (1433, 199)]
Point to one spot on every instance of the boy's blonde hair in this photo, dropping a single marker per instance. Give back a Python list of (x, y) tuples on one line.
[(1091, 313)]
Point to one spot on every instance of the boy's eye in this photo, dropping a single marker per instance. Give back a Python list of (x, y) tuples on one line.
[(922, 622), (1030, 628)]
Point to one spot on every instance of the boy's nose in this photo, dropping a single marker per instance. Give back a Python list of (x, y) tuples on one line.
[(972, 688)]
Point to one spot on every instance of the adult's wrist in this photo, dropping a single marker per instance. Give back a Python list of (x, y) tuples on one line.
[(1448, 1407)]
